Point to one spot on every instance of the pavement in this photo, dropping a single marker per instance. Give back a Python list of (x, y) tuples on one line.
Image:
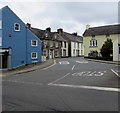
[(103, 61), (30, 68)]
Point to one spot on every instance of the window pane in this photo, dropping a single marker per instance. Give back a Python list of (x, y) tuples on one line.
[(17, 27), (34, 42)]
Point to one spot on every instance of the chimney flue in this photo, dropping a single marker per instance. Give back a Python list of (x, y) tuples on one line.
[(28, 25), (60, 31), (75, 34), (48, 29)]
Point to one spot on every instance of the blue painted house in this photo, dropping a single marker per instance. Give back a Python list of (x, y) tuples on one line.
[(18, 45)]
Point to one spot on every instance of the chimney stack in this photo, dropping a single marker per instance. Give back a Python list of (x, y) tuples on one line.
[(60, 31), (75, 34), (28, 25), (48, 29), (87, 26)]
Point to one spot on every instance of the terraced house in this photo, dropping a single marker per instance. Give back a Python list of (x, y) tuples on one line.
[(95, 37), (53, 45), (18, 45), (75, 43)]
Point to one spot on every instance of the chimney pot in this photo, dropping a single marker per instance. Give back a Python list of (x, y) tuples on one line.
[(60, 31), (48, 29), (28, 25)]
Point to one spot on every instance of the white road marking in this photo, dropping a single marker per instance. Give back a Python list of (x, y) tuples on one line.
[(115, 72), (59, 79), (73, 67), (64, 62), (88, 87), (89, 73), (82, 62), (22, 82)]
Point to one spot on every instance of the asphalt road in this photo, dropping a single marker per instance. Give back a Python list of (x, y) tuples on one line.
[(73, 84)]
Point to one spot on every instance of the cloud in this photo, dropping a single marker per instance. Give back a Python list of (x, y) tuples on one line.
[(71, 16)]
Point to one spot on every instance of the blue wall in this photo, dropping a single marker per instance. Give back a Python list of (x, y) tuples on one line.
[(20, 41)]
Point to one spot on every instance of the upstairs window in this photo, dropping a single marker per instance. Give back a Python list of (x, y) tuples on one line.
[(34, 43), (65, 44), (74, 45), (17, 27), (46, 35), (93, 43), (51, 44), (34, 55), (56, 44)]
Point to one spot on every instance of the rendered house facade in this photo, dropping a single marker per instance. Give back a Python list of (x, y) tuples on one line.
[(75, 43), (18, 45), (95, 37)]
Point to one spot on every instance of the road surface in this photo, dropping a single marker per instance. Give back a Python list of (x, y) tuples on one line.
[(73, 84)]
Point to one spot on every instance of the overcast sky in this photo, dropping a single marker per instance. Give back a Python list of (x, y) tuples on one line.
[(71, 16)]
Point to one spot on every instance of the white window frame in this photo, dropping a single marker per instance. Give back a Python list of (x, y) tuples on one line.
[(34, 57), (93, 45), (15, 26), (36, 43)]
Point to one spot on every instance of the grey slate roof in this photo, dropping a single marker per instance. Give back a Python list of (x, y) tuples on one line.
[(41, 33), (73, 38), (38, 32), (103, 30)]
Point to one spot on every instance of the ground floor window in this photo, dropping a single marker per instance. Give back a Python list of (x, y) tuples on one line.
[(34, 55)]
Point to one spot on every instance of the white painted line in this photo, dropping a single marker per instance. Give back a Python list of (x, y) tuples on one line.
[(64, 62), (88, 87), (115, 72), (82, 61), (22, 82), (59, 79), (73, 67)]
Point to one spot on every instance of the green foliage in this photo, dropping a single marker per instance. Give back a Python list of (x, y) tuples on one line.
[(107, 48)]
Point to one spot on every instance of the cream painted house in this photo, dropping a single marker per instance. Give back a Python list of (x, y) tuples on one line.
[(75, 43), (95, 37)]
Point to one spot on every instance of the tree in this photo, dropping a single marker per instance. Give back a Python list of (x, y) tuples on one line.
[(107, 48)]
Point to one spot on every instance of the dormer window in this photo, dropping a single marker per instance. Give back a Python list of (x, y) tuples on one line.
[(17, 27), (46, 35)]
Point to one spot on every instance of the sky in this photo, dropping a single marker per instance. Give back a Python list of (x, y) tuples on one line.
[(71, 15)]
